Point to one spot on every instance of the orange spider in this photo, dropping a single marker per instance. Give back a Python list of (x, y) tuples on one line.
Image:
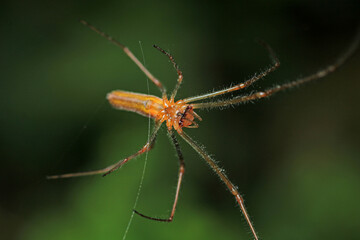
[(180, 114)]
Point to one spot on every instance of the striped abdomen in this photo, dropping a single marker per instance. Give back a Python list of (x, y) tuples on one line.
[(146, 105)]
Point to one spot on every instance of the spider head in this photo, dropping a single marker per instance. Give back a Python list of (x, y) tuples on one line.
[(186, 117)]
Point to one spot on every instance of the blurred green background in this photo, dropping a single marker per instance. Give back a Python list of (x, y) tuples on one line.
[(295, 157)]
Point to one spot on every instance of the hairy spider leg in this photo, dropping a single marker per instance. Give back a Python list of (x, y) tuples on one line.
[(273, 67), (220, 172), (105, 171), (130, 54), (179, 72), (180, 177), (268, 92)]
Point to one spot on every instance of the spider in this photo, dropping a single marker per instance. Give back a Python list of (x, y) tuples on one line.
[(181, 114)]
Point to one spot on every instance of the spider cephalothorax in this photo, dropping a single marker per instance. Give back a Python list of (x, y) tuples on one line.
[(178, 115)]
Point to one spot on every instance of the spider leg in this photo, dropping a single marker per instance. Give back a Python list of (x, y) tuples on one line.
[(181, 173), (220, 172), (105, 171), (268, 92), (273, 67), (179, 72), (130, 54)]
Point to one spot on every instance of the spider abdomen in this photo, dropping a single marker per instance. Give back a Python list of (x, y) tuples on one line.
[(143, 104)]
